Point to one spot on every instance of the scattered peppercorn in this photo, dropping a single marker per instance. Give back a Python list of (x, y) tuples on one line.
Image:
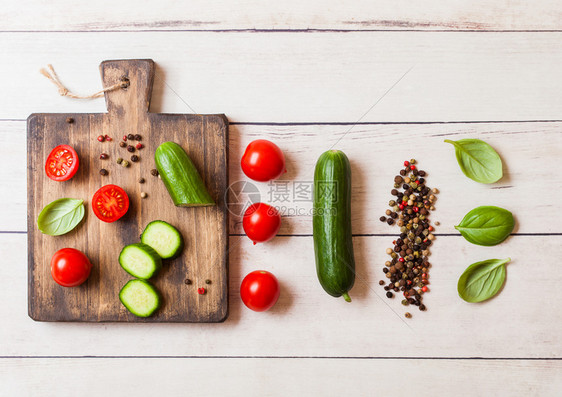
[(154, 172), (103, 172), (131, 148), (141, 180), (207, 281), (69, 120), (139, 146), (104, 156), (125, 163), (134, 158), (130, 137), (201, 291), (408, 315), (187, 281), (122, 144), (143, 195), (108, 138), (381, 282), (101, 138), (408, 267), (138, 137), (124, 137), (119, 160)]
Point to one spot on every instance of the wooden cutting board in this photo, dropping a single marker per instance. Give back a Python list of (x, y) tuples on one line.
[(205, 256)]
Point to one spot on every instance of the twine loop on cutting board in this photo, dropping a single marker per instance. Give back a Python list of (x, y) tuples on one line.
[(63, 91)]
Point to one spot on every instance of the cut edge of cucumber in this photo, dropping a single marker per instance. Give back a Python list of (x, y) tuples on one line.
[(140, 298), (132, 256), (164, 238)]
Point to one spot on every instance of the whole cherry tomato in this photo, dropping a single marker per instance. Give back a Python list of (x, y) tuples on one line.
[(261, 222), (259, 290), (70, 267), (263, 161)]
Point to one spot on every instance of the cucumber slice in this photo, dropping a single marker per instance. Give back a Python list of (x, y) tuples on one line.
[(140, 260), (140, 298), (164, 238)]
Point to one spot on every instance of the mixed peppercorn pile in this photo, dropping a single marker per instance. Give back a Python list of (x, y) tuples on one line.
[(407, 270)]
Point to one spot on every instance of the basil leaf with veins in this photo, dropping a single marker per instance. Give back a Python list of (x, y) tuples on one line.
[(478, 160), (60, 216), (486, 225), (482, 280)]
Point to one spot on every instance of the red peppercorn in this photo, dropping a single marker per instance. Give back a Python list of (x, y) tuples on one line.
[(412, 167), (430, 228), (416, 209), (400, 259), (417, 182), (425, 289), (406, 163), (406, 294), (201, 291), (424, 275), (108, 138), (101, 138), (401, 206), (139, 146), (124, 137), (409, 282)]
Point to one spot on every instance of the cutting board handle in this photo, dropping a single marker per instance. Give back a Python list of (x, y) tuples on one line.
[(134, 98)]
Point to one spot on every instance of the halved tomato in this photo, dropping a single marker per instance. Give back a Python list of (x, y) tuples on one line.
[(110, 203), (62, 163)]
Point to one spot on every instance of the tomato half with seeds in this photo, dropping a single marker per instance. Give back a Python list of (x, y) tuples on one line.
[(62, 163), (110, 203)]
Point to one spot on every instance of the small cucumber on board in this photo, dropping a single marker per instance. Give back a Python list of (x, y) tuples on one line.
[(140, 298), (331, 224), (180, 176), (164, 238), (140, 260)]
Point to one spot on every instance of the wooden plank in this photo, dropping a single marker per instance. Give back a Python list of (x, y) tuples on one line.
[(270, 377), (530, 153), (303, 77), (253, 14), (520, 322), (204, 228)]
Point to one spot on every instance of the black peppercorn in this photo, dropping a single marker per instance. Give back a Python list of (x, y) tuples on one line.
[(207, 281), (187, 281), (141, 180), (138, 137), (381, 282), (131, 148), (422, 307), (134, 158), (130, 136), (154, 172), (382, 219), (69, 120), (390, 221), (103, 172), (394, 192), (421, 173), (122, 144), (389, 294)]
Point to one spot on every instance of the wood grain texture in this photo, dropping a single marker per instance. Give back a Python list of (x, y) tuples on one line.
[(279, 377), (291, 14), (204, 229), (303, 77), (520, 322)]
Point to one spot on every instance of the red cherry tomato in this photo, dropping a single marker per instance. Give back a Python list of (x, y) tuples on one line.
[(261, 222), (263, 161), (259, 290), (62, 163), (110, 203), (70, 267)]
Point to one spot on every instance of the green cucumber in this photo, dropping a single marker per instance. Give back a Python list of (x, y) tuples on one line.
[(164, 238), (140, 298), (140, 260), (181, 177), (331, 224)]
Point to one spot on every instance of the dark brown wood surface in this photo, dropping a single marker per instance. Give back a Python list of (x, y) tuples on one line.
[(205, 256)]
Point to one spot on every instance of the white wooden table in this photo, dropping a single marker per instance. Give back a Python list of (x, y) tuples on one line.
[(309, 75)]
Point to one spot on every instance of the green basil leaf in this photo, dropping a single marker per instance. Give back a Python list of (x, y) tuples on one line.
[(486, 225), (60, 216), (482, 280), (478, 160)]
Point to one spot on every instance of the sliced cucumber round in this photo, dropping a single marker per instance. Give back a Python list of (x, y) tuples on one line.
[(164, 238), (140, 298), (140, 260)]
